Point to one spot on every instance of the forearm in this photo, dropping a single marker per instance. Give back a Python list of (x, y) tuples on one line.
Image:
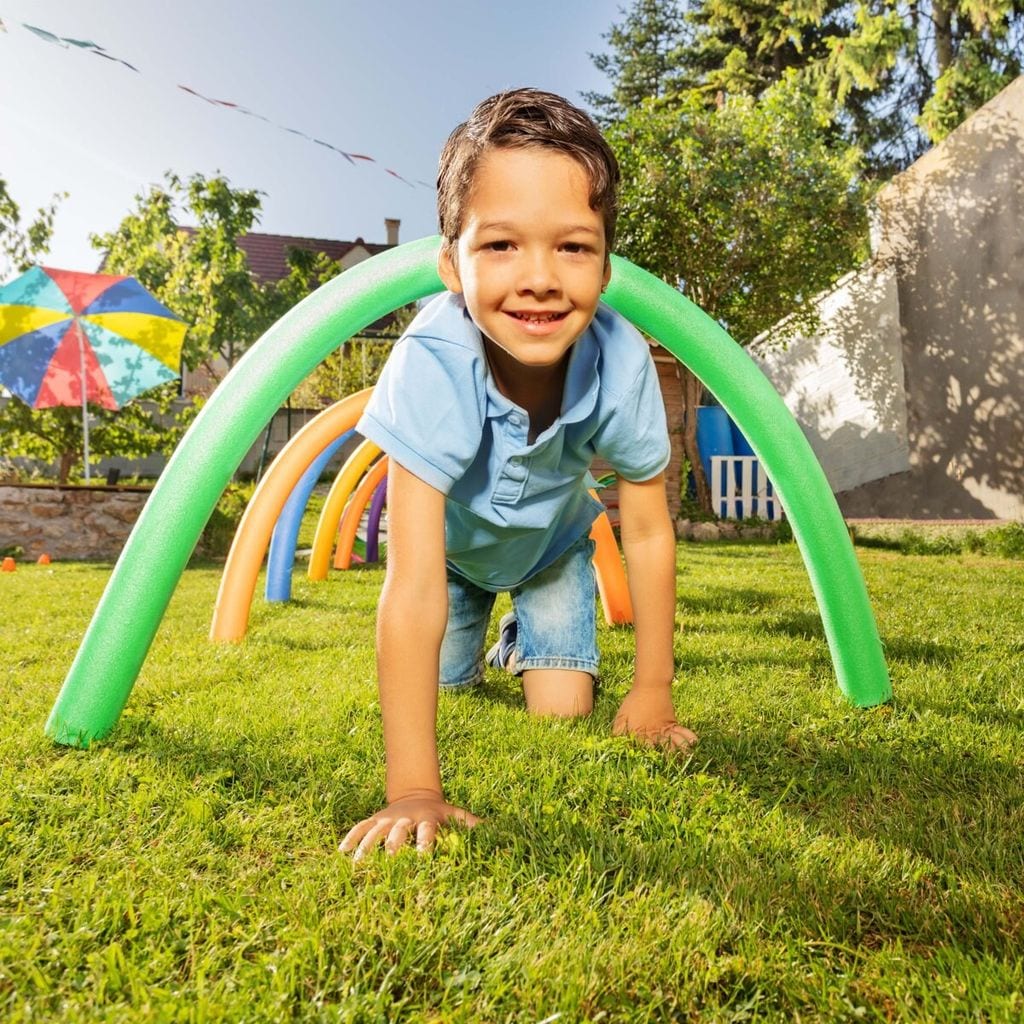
[(410, 627), (650, 563)]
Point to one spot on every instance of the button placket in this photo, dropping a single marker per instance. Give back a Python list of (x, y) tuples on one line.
[(510, 484)]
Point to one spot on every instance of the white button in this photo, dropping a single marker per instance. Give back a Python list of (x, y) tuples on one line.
[(514, 420)]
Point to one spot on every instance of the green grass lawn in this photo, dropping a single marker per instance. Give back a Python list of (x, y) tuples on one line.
[(811, 862)]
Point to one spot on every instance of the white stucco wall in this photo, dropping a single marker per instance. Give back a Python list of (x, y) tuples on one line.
[(845, 385), (913, 395)]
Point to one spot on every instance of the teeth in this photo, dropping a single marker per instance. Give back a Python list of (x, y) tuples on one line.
[(534, 319)]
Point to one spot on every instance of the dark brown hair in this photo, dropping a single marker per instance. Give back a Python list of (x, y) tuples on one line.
[(521, 118)]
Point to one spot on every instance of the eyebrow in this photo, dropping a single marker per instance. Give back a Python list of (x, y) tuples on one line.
[(569, 229)]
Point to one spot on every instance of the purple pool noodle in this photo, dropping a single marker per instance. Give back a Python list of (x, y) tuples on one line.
[(373, 521)]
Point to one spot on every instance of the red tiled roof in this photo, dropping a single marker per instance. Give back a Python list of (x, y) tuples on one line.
[(267, 254)]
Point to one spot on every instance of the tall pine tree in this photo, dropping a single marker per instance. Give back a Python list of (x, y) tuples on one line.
[(899, 74)]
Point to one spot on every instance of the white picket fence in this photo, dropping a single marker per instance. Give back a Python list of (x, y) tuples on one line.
[(740, 488)]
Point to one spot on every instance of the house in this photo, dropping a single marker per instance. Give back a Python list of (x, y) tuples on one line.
[(267, 256), (912, 394)]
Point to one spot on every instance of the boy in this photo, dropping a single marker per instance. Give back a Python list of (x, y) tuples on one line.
[(491, 408)]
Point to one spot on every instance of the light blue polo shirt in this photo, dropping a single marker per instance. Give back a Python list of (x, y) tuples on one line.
[(513, 507)]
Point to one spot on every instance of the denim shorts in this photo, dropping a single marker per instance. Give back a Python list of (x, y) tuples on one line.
[(555, 613)]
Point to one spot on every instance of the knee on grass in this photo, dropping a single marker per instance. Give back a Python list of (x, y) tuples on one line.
[(560, 693)]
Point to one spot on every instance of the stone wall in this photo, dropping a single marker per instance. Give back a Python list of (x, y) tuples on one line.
[(87, 523)]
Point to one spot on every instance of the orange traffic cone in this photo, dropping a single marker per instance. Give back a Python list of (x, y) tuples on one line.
[(8, 565), (43, 559)]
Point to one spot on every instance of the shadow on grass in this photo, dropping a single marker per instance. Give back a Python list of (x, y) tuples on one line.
[(320, 642), (894, 843), (728, 600), (243, 767), (871, 830), (910, 650), (913, 651), (802, 625)]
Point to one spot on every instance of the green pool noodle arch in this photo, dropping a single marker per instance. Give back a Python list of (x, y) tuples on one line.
[(126, 620)]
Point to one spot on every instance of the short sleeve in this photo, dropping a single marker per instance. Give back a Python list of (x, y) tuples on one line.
[(633, 435), (427, 409)]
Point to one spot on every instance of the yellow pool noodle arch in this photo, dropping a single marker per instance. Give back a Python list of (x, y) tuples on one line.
[(330, 515)]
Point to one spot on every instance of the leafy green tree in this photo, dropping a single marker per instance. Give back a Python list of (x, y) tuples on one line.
[(54, 436), (22, 244), (905, 73), (901, 74), (201, 273), (746, 206)]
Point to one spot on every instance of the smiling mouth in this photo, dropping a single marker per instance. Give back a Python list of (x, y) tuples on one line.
[(538, 318)]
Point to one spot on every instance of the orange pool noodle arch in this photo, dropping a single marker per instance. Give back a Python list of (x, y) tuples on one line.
[(238, 582), (611, 577)]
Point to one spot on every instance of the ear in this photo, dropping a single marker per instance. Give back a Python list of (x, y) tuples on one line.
[(448, 269), (607, 276)]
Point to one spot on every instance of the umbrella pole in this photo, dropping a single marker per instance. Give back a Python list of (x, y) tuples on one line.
[(85, 398)]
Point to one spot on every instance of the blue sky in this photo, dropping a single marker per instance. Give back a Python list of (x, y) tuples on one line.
[(388, 78)]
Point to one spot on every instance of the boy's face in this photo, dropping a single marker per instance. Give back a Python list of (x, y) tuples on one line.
[(530, 259)]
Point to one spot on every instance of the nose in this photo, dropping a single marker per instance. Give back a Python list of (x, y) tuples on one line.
[(538, 275)]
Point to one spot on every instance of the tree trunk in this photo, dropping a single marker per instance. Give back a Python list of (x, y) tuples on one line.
[(67, 460), (693, 392), (942, 20)]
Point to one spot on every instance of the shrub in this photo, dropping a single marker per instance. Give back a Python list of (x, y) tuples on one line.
[(1005, 541), (914, 543), (219, 531)]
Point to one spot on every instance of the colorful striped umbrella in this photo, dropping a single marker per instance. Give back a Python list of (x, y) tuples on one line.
[(68, 338)]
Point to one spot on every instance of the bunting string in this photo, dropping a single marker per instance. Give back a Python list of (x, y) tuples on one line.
[(88, 46)]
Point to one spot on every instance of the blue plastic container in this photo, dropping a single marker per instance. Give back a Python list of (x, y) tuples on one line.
[(714, 435), (740, 445)]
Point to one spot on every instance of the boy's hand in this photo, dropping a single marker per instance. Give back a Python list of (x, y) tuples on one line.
[(648, 716), (416, 815)]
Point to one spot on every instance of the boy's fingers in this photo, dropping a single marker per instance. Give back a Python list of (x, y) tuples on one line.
[(464, 817), (398, 835), (426, 833), (362, 838), (371, 839), (679, 738), (355, 833)]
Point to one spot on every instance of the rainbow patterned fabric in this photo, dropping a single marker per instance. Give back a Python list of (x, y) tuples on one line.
[(61, 330)]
